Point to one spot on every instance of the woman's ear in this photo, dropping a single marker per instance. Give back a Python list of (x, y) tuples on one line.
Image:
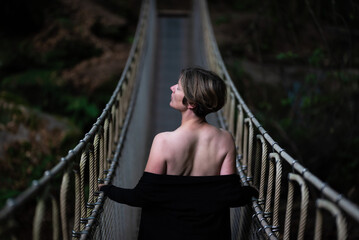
[(191, 105)]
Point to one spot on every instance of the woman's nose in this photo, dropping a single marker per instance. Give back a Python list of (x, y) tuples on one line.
[(173, 88)]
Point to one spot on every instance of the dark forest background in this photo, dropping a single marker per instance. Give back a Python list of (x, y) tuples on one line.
[(296, 64)]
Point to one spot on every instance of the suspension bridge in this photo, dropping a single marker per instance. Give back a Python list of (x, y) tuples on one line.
[(65, 202)]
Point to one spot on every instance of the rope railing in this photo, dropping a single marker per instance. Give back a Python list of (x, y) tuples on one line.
[(67, 197), (265, 164), (68, 205)]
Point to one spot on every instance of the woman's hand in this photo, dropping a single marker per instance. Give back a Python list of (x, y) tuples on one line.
[(100, 185)]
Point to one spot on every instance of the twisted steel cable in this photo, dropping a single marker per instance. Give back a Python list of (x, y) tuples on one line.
[(303, 208), (96, 147), (116, 119), (231, 114), (63, 204), (257, 163), (245, 145), (289, 208), (278, 184), (55, 219), (250, 151), (239, 132), (268, 199), (263, 168), (83, 162), (77, 209), (38, 218), (92, 180), (304, 193), (101, 157), (336, 213), (106, 144), (318, 224), (112, 131)]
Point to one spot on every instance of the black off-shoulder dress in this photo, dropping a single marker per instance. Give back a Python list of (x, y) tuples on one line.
[(184, 207)]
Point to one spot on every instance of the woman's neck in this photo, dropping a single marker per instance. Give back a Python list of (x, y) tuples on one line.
[(189, 118)]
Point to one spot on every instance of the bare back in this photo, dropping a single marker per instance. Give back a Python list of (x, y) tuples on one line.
[(194, 150)]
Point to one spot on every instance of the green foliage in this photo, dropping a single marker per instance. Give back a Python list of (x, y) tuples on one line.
[(114, 32), (286, 101), (18, 56), (286, 56), (69, 52), (238, 70), (65, 22), (50, 95), (222, 19), (317, 57), (122, 8), (80, 110), (32, 78), (286, 123), (22, 170), (7, 193)]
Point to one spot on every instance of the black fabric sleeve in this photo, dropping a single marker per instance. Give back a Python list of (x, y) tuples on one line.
[(245, 195), (241, 196), (133, 197)]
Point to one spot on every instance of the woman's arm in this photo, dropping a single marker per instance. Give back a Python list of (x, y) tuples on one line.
[(134, 197), (229, 162), (157, 161)]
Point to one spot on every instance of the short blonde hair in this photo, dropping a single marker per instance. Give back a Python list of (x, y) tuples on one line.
[(204, 89)]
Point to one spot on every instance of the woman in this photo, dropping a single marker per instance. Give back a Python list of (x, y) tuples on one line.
[(190, 179)]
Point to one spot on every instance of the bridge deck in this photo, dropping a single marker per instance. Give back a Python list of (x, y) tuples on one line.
[(173, 52)]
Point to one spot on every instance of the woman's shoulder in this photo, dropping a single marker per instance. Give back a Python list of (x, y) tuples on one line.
[(166, 140), (164, 137), (222, 135)]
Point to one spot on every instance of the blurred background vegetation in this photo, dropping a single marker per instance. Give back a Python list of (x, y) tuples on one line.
[(294, 62), (59, 64)]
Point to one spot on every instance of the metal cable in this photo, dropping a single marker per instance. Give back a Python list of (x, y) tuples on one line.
[(268, 199), (112, 133), (288, 212), (55, 219), (278, 184), (106, 144), (103, 151), (116, 119), (38, 218), (257, 163), (245, 145), (250, 151), (92, 181), (336, 213), (304, 204), (318, 225), (239, 132), (263, 169), (231, 114), (96, 147), (77, 209), (63, 204), (101, 158), (83, 162)]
